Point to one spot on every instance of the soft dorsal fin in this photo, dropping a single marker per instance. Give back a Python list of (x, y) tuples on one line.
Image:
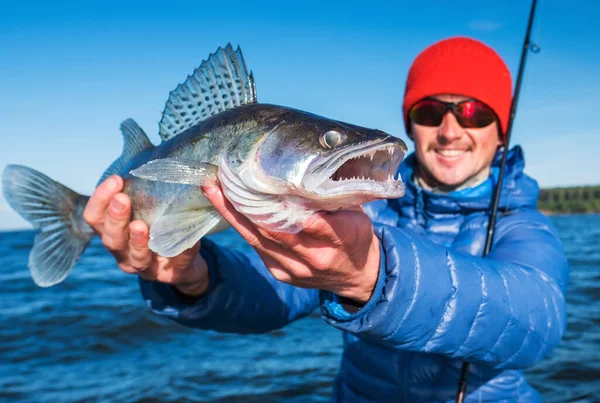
[(221, 82), (134, 142)]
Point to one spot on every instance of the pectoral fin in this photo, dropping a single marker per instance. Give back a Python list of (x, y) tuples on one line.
[(172, 234), (185, 172)]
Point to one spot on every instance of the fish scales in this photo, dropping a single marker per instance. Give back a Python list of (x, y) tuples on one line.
[(276, 165)]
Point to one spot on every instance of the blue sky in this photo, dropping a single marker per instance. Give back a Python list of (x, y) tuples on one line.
[(70, 73)]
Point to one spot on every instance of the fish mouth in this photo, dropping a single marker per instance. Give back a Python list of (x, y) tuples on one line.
[(367, 168)]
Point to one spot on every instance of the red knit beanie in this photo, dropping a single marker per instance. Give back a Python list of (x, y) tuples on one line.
[(462, 66)]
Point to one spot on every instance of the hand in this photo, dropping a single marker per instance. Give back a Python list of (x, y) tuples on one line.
[(108, 212), (336, 251)]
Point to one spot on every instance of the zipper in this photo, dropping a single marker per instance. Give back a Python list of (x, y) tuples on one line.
[(419, 207)]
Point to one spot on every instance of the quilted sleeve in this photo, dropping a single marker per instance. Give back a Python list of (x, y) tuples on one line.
[(243, 296), (507, 309)]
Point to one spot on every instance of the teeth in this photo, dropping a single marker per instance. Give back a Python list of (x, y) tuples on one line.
[(450, 153), (370, 156)]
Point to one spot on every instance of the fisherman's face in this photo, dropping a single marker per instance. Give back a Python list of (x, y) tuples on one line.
[(450, 154)]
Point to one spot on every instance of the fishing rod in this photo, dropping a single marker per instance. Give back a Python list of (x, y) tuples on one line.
[(527, 45)]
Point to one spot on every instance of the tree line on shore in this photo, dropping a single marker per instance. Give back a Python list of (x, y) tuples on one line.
[(570, 200)]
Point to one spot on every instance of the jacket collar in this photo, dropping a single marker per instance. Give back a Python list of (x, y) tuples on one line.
[(518, 189)]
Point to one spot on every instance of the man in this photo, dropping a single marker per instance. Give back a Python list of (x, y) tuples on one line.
[(404, 279)]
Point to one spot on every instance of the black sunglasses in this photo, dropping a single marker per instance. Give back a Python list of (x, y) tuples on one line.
[(469, 114)]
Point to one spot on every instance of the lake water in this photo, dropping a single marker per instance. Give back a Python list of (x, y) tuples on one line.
[(92, 339)]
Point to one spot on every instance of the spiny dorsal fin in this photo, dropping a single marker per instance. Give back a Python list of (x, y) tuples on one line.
[(134, 142), (221, 82)]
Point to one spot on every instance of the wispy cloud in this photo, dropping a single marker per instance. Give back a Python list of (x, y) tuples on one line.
[(484, 25)]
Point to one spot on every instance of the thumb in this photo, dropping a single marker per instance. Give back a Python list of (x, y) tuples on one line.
[(238, 221)]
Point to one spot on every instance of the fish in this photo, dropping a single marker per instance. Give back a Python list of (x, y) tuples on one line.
[(276, 165)]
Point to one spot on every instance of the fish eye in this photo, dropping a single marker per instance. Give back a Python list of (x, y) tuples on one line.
[(331, 139)]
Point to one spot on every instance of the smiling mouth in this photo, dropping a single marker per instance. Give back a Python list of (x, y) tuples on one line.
[(450, 153)]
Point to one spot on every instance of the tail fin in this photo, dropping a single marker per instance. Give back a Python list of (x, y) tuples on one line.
[(57, 213)]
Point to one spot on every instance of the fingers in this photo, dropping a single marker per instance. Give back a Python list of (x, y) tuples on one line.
[(339, 225), (96, 207), (270, 249), (200, 279), (259, 238), (313, 253), (115, 232), (140, 256), (109, 212), (238, 221), (176, 270)]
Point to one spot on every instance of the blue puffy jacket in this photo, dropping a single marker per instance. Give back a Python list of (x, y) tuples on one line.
[(436, 302)]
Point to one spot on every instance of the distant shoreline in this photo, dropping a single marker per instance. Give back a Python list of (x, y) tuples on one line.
[(570, 200), (561, 213)]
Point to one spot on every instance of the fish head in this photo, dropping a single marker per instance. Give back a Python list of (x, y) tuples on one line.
[(331, 164)]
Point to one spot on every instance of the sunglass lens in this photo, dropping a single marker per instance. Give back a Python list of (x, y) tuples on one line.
[(474, 114), (427, 113)]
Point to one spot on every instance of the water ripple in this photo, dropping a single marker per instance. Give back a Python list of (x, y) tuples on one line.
[(91, 339)]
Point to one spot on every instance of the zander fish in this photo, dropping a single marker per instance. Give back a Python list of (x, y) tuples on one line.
[(276, 165)]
